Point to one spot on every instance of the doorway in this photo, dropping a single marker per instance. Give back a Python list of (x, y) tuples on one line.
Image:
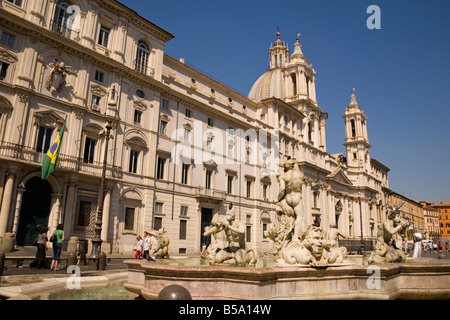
[(35, 210), (205, 222)]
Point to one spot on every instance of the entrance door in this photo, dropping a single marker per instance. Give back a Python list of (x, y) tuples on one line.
[(206, 221), (35, 210)]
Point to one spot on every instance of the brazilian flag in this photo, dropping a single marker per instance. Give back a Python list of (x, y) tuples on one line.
[(50, 159)]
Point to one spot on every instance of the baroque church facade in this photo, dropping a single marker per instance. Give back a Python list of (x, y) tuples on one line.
[(184, 148)]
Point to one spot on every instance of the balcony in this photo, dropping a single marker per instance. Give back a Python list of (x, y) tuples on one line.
[(26, 154), (203, 194), (62, 29)]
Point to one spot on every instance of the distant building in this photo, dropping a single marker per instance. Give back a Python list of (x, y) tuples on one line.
[(443, 209), (431, 218), (185, 148), (411, 209)]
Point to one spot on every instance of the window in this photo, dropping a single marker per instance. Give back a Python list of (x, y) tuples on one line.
[(286, 147), (209, 140), (294, 84), (103, 36), (137, 116), (230, 184), (165, 104), (129, 218), (159, 206), (184, 211), (140, 93), (61, 18), (8, 39), (95, 102), (134, 155), (248, 234), (89, 150), (230, 149), (160, 168), (99, 76), (187, 136), (185, 173), (44, 139), (157, 223), (3, 69), (249, 189), (352, 123), (142, 55), (163, 127), (16, 2), (183, 229), (208, 181), (210, 122), (84, 213), (188, 113), (265, 189)]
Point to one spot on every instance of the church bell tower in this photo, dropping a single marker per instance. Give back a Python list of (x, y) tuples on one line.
[(356, 140)]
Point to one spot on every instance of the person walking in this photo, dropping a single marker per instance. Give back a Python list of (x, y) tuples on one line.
[(446, 247), (146, 246), (435, 247), (139, 247), (440, 246), (430, 246), (57, 246), (41, 243)]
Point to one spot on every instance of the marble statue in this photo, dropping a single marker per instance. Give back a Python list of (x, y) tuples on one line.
[(227, 238), (314, 247), (159, 244), (290, 198), (417, 238), (57, 77), (388, 247)]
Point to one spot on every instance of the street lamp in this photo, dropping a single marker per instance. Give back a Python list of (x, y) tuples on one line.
[(97, 241), (361, 249)]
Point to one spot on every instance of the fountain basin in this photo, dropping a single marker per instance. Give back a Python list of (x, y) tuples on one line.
[(418, 279)]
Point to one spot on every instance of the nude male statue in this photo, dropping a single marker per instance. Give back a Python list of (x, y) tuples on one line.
[(290, 196)]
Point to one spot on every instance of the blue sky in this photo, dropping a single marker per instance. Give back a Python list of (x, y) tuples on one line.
[(401, 72)]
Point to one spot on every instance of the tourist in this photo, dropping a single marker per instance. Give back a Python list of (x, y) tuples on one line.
[(446, 247), (203, 248), (139, 247), (146, 245), (417, 238), (57, 247), (435, 247), (41, 243), (430, 246), (440, 247)]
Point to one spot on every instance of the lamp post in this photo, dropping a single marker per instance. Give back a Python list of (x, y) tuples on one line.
[(97, 241), (361, 249)]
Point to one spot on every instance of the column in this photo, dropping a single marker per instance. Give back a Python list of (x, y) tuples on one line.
[(106, 213), (6, 202), (20, 192), (55, 218), (70, 207)]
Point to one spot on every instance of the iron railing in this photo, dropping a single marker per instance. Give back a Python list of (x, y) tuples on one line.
[(65, 162)]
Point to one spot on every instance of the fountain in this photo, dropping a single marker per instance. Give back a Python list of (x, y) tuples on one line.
[(307, 262)]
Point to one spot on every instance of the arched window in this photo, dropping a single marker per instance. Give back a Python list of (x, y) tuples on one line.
[(142, 55), (63, 14)]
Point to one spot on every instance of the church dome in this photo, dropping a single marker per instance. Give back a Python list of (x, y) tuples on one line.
[(269, 85)]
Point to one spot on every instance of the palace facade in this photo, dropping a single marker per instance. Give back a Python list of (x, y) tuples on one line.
[(184, 147)]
